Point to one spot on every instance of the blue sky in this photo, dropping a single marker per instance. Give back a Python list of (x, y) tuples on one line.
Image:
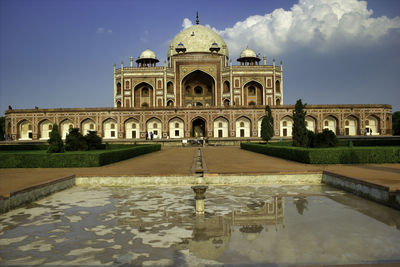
[(61, 53)]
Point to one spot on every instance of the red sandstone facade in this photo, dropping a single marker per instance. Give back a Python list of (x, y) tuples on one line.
[(198, 93)]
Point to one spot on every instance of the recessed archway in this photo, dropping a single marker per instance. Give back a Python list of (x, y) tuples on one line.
[(132, 130), (198, 87), (66, 125), (221, 127), (253, 93), (25, 130), (198, 128)]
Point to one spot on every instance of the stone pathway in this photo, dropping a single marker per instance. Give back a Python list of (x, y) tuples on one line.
[(179, 161)]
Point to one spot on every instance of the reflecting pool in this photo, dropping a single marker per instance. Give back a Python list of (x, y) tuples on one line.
[(151, 226)]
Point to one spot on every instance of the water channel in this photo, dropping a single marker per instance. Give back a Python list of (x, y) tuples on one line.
[(157, 226)]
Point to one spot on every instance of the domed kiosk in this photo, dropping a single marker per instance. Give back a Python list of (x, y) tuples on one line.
[(248, 57), (147, 59)]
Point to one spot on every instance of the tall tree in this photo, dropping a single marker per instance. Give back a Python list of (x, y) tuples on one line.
[(55, 141), (299, 131), (396, 123), (2, 128), (267, 125)]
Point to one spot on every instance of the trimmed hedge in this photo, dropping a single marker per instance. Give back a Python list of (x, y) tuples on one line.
[(336, 155), (374, 142), (94, 158), (24, 147)]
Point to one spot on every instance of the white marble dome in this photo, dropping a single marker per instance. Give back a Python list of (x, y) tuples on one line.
[(248, 53), (147, 54), (197, 38)]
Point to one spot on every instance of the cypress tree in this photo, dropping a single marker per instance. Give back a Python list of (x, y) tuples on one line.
[(267, 125), (299, 131), (55, 141)]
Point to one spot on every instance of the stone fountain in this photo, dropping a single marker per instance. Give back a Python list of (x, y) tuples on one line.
[(200, 191)]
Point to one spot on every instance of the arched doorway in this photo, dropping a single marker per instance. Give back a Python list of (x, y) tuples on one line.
[(198, 128)]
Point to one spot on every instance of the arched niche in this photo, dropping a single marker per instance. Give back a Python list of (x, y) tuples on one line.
[(170, 88), (25, 130), (144, 94), (221, 127), (253, 93), (351, 126), (176, 128), (65, 127), (45, 128), (310, 123), (330, 122), (154, 126), (87, 125), (243, 127), (110, 129), (132, 129), (286, 126)]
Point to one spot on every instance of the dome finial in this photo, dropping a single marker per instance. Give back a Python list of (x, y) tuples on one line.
[(197, 17)]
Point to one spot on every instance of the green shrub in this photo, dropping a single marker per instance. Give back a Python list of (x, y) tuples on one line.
[(310, 138), (325, 139), (93, 140), (75, 141), (55, 141), (41, 159), (332, 155)]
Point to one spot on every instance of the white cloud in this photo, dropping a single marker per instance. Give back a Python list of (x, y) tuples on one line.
[(100, 30), (187, 23), (322, 25)]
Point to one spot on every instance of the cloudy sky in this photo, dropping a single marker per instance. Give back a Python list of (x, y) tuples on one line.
[(57, 53)]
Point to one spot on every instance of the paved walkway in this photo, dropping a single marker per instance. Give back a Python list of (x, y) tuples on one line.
[(178, 161)]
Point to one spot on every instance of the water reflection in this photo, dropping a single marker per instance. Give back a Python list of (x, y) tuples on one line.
[(211, 233), (301, 204), (242, 225)]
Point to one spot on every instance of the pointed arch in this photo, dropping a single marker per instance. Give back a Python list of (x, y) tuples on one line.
[(65, 125), (286, 126), (198, 86), (176, 127), (110, 128), (351, 125), (330, 122), (132, 128), (170, 87), (253, 93), (221, 127), (87, 124), (45, 126), (243, 126), (311, 123), (24, 130), (143, 94), (226, 87), (373, 126), (154, 127)]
